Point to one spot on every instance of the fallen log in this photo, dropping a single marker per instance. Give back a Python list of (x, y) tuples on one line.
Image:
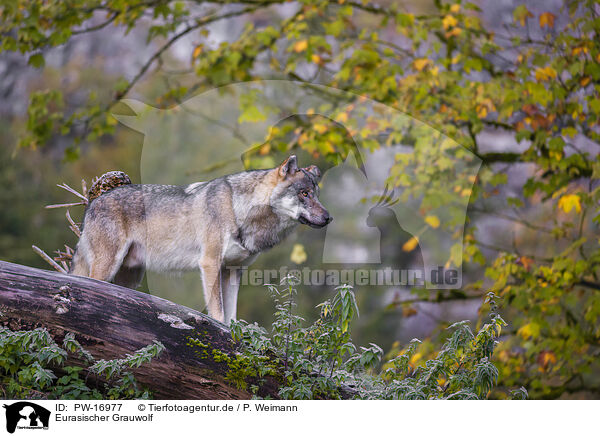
[(111, 321)]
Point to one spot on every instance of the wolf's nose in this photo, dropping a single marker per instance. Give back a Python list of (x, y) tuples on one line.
[(328, 219)]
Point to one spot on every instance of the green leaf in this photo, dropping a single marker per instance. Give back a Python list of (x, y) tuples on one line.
[(36, 60)]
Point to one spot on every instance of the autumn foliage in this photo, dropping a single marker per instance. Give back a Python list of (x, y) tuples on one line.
[(535, 81)]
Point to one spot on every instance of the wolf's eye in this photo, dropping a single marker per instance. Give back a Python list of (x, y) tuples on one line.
[(305, 193)]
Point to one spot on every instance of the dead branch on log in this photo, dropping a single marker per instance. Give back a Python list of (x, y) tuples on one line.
[(65, 257), (48, 259)]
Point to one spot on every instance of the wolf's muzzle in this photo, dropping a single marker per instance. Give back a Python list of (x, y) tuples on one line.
[(319, 223)]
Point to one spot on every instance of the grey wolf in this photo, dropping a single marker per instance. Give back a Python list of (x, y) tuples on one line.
[(205, 226)]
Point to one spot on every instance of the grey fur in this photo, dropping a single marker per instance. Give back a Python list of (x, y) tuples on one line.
[(204, 226)]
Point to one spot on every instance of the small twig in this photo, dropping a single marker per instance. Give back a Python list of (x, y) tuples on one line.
[(62, 256), (74, 192), (73, 226), (48, 259), (56, 206)]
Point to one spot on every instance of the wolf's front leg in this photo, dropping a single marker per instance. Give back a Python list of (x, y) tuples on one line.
[(231, 285), (211, 282)]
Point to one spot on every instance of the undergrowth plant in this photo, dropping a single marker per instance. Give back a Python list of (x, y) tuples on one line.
[(32, 365), (312, 361), (321, 361)]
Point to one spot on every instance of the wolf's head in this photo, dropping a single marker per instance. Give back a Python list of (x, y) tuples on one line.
[(296, 194)]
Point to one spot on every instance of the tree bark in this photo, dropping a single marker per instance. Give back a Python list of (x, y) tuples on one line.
[(111, 321)]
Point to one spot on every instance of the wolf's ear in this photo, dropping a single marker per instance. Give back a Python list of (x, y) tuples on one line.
[(315, 171), (289, 166)]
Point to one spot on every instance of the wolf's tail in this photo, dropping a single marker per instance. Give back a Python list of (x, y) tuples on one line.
[(106, 182)]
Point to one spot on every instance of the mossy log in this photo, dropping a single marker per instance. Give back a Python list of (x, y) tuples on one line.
[(111, 321)]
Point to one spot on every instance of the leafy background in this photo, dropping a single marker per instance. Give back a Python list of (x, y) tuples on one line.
[(517, 83)]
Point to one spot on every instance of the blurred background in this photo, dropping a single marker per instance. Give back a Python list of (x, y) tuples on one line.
[(513, 84)]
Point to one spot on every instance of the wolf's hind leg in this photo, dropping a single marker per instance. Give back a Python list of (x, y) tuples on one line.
[(107, 261), (79, 264)]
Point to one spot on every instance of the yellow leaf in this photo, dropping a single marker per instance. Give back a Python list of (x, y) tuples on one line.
[(568, 202), (342, 117), (415, 358), (578, 50), (454, 32), (421, 63), (449, 21), (584, 81), (482, 111), (320, 128), (264, 149), (317, 59), (531, 330), (300, 46), (547, 19), (455, 8), (328, 147), (433, 221), (197, 51), (555, 155), (546, 73), (548, 357), (298, 255), (411, 244)]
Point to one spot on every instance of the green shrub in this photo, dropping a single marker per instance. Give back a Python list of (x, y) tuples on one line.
[(30, 361), (321, 361)]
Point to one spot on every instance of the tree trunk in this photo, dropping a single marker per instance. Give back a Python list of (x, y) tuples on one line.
[(111, 321)]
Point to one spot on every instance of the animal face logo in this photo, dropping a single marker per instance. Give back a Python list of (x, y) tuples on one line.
[(26, 415), (382, 212), (395, 205)]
